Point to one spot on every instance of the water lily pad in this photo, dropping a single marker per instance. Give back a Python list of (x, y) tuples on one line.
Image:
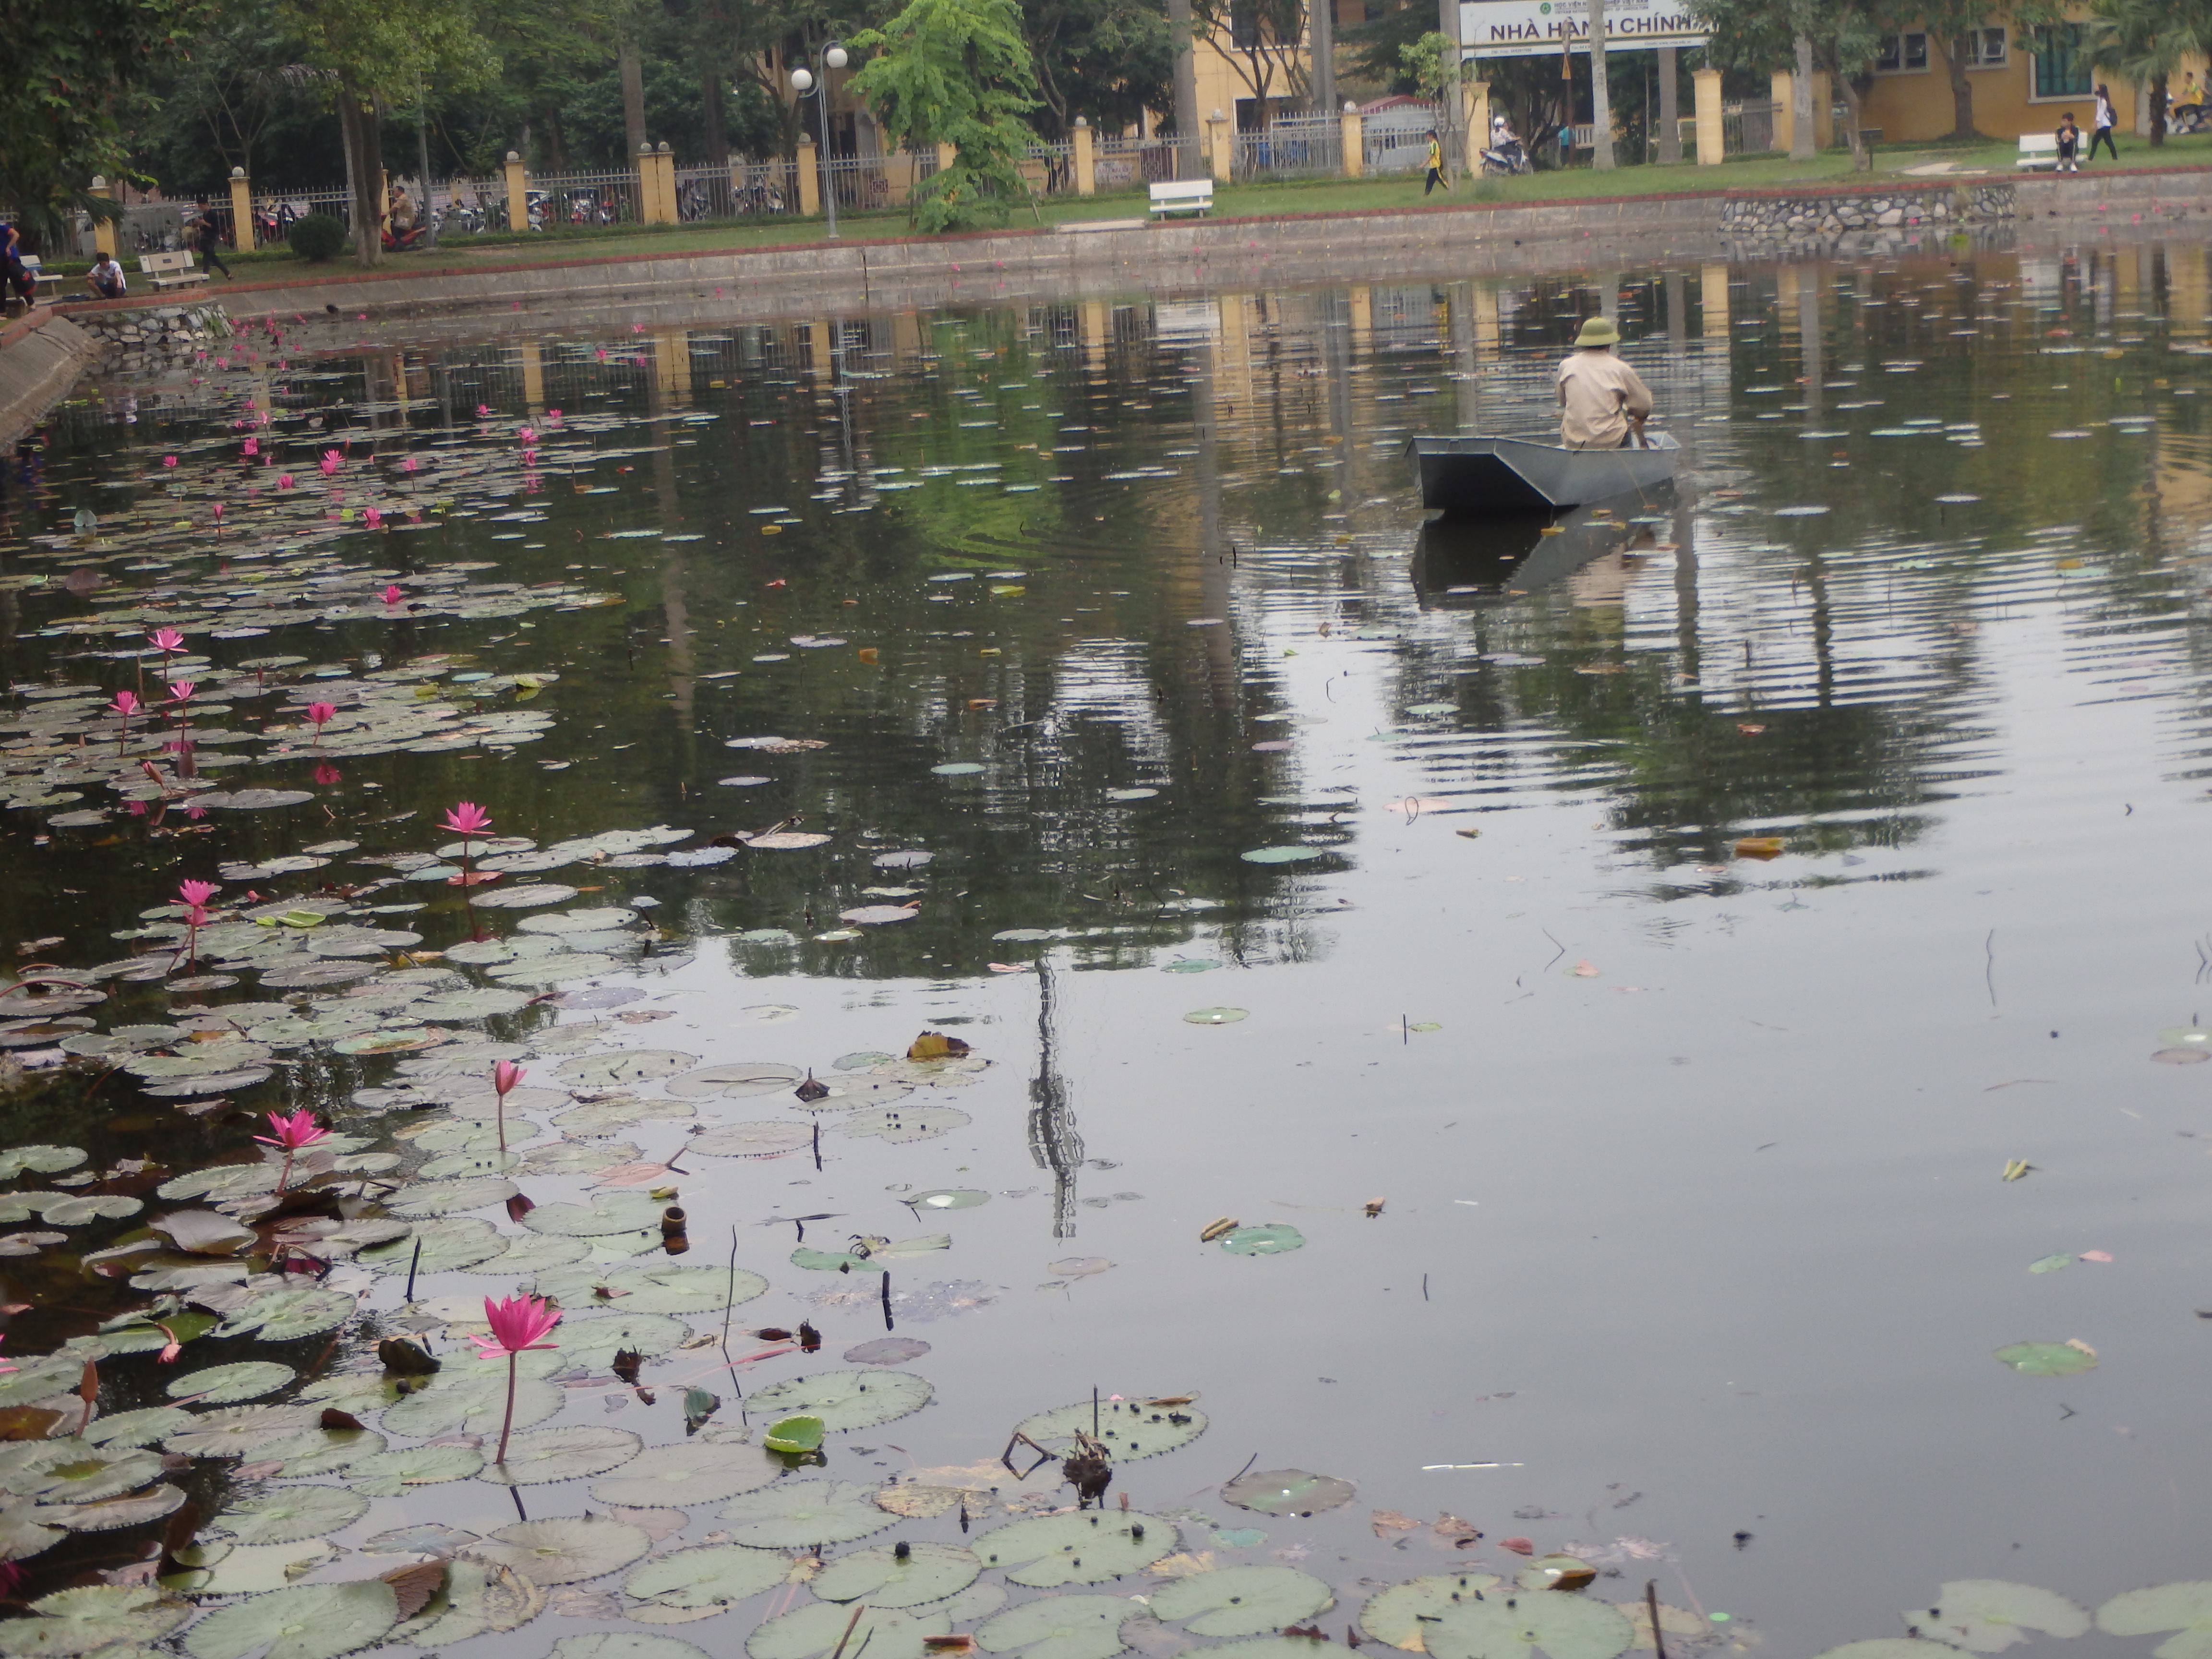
[(2067, 1358), (1241, 1600), (1397, 1615), (596, 1341), (1892, 1647), (448, 1243), (696, 1584), (91, 1617), (292, 1513), (1507, 1627), (528, 896), (1988, 1615), (308, 1622), (845, 1400), (478, 1596), (1215, 1016), (601, 1214), (283, 1315), (656, 1288), (948, 1198), (251, 1569), (796, 1514), (567, 1550), (687, 1473), (2185, 1609), (1264, 1647), (1273, 1239), (234, 1431), (886, 1351), (564, 1454), (1282, 854), (883, 1578), (226, 1384), (1087, 1548), (436, 1198), (1059, 1627), (900, 1124), (472, 1404), (624, 1644), (1129, 1428), (45, 1160), (392, 1473), (815, 1631), (769, 1138), (958, 769), (622, 1066), (736, 1077), (1287, 1491)]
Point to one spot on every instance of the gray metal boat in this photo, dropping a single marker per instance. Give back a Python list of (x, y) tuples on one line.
[(1527, 475)]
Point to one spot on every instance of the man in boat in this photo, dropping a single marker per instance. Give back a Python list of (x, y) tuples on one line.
[(1602, 401)]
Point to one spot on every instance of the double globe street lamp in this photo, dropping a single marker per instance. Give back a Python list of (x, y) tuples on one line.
[(804, 82)]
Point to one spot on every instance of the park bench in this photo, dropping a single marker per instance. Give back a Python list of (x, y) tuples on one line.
[(1183, 196), (170, 269), (2038, 149)]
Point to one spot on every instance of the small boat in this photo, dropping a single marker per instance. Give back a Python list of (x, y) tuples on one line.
[(1463, 562), (1526, 474)]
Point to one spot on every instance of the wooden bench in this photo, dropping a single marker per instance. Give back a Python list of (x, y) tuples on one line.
[(170, 269), (1183, 196), (2038, 149)]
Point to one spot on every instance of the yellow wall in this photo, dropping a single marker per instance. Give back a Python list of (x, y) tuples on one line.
[(1917, 104)]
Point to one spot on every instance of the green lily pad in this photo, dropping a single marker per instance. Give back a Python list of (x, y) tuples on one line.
[(686, 1473), (534, 1253), (308, 1622), (948, 1198), (1988, 1615), (225, 1385), (1129, 1428), (1396, 1615), (2049, 1358), (320, 1451), (843, 1399), (1059, 1627), (436, 1198), (142, 1427), (2184, 1608), (99, 1206), (900, 1124), (566, 1550), (790, 1436), (795, 1514), (814, 1632), (251, 1569), (659, 1287), (624, 1644), (283, 1315), (1087, 1547), (1507, 1627), (737, 1078), (1287, 1491), (697, 1583), (391, 1473), (472, 1405), (91, 1617), (45, 1160), (603, 1213), (478, 1596), (292, 1513), (72, 1471), (1891, 1647), (883, 1578), (624, 1066), (1273, 1239), (1242, 1600), (1215, 1016), (1264, 1647), (1282, 854), (767, 1138), (234, 1431), (565, 1454), (596, 1341), (958, 769)]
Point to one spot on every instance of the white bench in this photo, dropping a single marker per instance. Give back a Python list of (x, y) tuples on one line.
[(170, 269), (2038, 149), (1183, 196), (33, 268)]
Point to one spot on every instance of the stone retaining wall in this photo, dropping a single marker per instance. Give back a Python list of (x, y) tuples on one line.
[(1764, 214), (154, 336), (40, 358)]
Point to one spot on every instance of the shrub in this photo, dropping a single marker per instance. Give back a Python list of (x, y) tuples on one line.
[(319, 238)]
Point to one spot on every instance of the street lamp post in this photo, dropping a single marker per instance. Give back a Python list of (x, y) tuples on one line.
[(803, 81)]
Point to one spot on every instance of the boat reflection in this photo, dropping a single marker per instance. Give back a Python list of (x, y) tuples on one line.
[(1597, 548)]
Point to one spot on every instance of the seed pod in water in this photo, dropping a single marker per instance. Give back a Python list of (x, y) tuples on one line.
[(1214, 1229)]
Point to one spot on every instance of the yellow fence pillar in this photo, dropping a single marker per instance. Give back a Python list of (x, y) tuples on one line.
[(103, 230), (810, 181), (533, 377), (518, 194), (1219, 145), (241, 210), (1713, 297), (1086, 161), (1476, 101), (1781, 87), (647, 174), (1823, 112), (1354, 132), (1709, 141)]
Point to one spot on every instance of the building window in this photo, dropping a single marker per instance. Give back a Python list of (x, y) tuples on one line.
[(1902, 54), (1985, 48), (2062, 68)]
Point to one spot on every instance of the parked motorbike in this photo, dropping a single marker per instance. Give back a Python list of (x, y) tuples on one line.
[(1505, 160)]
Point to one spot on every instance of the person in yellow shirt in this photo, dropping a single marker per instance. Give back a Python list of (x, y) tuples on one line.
[(1435, 165), (1602, 401), (2189, 105)]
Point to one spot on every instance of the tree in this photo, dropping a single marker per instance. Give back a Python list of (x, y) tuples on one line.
[(1844, 35), (2146, 41), (1266, 40), (1106, 60), (73, 72), (954, 72)]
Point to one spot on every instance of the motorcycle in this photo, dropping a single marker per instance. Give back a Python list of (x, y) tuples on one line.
[(401, 242), (1507, 158)]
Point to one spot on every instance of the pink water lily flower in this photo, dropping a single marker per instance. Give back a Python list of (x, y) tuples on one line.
[(126, 703), (196, 893), (164, 640), (330, 462), (253, 446), (466, 818), (294, 1130), (518, 1324), (394, 594), (372, 517), (320, 714), (168, 460), (283, 481), (182, 689)]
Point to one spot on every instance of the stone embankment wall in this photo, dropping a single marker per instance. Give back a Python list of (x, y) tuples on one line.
[(40, 358), (1780, 214), (154, 336)]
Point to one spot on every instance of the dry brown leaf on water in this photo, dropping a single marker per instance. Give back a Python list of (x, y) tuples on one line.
[(1759, 846), (935, 1045), (1448, 1525), (948, 1644), (1518, 1546), (1386, 1521), (1215, 1228), (414, 1585), (1586, 970), (1680, 1626), (1374, 1207), (1184, 1563)]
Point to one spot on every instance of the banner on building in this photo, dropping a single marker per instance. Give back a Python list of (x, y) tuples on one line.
[(1532, 28)]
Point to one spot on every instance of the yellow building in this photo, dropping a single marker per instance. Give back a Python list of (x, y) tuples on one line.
[(2016, 90)]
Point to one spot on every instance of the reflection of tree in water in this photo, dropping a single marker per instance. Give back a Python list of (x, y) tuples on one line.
[(1054, 1141)]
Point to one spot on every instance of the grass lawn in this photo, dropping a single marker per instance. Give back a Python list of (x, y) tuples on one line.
[(1762, 172)]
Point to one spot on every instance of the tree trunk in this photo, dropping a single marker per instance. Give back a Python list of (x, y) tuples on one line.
[(1323, 13), (2158, 109), (1953, 48), (1801, 128), (1670, 93), (633, 94), (1855, 111), (710, 99), (364, 143), (1600, 93), (1189, 134)]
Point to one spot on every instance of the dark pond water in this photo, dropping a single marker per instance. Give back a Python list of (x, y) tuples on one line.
[(1699, 983)]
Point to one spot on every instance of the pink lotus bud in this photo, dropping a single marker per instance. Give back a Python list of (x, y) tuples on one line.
[(320, 712), (283, 481), (505, 1074), (372, 517), (252, 447), (182, 689), (393, 594), (126, 703), (168, 460)]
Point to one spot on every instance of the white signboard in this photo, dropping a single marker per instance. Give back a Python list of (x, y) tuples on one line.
[(1531, 29)]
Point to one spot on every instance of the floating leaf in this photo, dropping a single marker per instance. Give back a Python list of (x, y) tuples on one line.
[(1059, 1627), (845, 1399), (2184, 1608), (1506, 1627), (601, 1214), (1396, 1615), (695, 1583), (1214, 1015), (1988, 1615), (478, 1596), (282, 1314), (91, 1617), (795, 1514), (391, 1473), (46, 1160), (1242, 1600), (250, 1568), (886, 1351), (736, 1077), (791, 1436), (883, 1577), (2066, 1359), (309, 1621), (1087, 1547), (1894, 1647), (567, 1550), (658, 1288), (436, 1198), (622, 1066), (448, 1243), (472, 1405), (588, 1342), (292, 1513), (816, 1631), (763, 1139), (1273, 1239), (623, 1644), (1282, 854), (948, 1198), (565, 1454), (224, 1384), (899, 1124), (1287, 1491), (687, 1473), (234, 1431), (1129, 1428)]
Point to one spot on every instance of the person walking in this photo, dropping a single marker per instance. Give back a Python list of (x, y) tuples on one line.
[(204, 239), (1602, 401), (2101, 125), (1435, 165)]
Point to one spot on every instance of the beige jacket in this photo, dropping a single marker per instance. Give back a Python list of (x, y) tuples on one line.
[(1598, 394)]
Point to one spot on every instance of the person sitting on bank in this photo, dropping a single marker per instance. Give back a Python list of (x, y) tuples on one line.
[(105, 279), (2070, 145), (2188, 107), (1602, 401)]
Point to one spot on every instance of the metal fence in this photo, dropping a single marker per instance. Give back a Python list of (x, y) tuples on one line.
[(586, 198), (1394, 148), (1291, 146), (1125, 163), (742, 190), (1748, 128)]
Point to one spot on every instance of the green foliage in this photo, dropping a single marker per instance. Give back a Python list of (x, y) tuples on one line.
[(1422, 62), (319, 238), (1105, 60), (956, 72)]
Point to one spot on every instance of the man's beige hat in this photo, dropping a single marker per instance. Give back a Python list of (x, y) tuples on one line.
[(1596, 331)]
